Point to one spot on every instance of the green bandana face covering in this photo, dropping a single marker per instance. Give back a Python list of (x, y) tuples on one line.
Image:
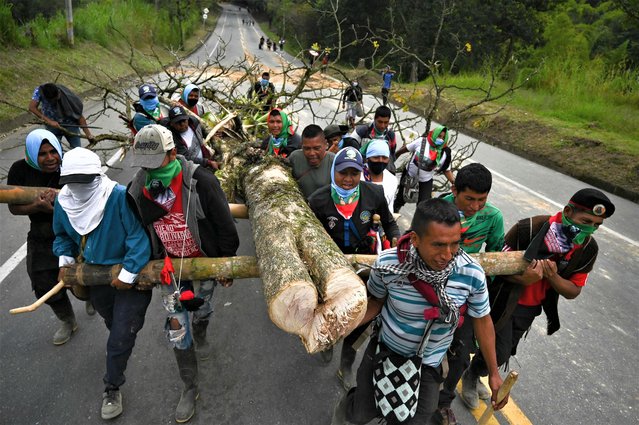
[(581, 231), (164, 174)]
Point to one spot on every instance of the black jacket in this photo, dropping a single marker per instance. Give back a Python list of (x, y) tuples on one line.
[(504, 296), (371, 201), (215, 232)]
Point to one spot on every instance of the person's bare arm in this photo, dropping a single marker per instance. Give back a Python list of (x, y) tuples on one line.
[(485, 334), (33, 108)]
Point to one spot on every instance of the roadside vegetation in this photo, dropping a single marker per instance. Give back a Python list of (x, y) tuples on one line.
[(34, 48)]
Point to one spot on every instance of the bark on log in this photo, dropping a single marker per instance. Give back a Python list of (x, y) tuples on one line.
[(246, 267), (310, 288)]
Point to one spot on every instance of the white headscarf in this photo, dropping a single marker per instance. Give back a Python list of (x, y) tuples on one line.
[(84, 202)]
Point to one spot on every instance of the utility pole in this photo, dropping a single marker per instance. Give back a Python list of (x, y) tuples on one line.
[(69, 12)]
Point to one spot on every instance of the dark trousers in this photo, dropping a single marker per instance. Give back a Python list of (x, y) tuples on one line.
[(360, 401), (384, 96), (458, 360), (348, 351), (507, 338), (425, 192), (123, 313)]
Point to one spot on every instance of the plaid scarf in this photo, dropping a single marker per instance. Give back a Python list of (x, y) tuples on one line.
[(413, 264)]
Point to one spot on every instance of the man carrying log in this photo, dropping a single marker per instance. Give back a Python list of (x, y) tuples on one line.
[(312, 164), (186, 214), (482, 223), (41, 168), (422, 289), (346, 208), (93, 222), (562, 252)]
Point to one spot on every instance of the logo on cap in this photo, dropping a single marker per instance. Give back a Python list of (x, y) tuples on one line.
[(176, 110), (351, 154), (599, 210), (150, 145)]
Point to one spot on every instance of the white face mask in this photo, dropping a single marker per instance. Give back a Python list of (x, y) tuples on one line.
[(355, 83)]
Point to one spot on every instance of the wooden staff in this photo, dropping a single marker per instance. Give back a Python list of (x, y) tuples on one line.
[(57, 288), (504, 390)]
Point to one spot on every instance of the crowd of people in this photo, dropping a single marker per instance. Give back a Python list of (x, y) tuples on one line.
[(427, 299)]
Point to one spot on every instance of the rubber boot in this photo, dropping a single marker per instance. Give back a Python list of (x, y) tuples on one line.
[(339, 413), (469, 389), (202, 346), (64, 311), (187, 365), (345, 371)]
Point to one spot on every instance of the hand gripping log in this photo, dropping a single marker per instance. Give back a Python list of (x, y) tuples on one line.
[(504, 390)]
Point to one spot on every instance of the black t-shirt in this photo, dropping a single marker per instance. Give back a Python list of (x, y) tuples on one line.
[(22, 174)]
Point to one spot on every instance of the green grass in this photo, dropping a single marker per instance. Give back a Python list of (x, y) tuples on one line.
[(611, 120)]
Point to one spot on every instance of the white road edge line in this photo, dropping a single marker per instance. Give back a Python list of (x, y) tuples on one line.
[(13, 262)]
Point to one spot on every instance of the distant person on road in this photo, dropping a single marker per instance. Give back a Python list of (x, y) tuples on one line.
[(148, 109), (282, 139), (437, 159), (189, 137), (312, 164), (378, 129), (281, 42), (268, 44), (264, 90), (60, 109), (562, 252), (420, 289), (190, 99), (187, 215), (261, 42), (482, 224), (41, 168), (352, 101), (387, 76), (93, 223)]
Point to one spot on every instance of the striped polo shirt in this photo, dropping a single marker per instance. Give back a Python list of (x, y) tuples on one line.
[(403, 322)]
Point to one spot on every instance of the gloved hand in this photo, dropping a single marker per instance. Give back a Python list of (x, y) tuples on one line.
[(189, 301)]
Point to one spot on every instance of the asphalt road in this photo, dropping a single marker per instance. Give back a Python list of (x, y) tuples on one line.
[(585, 373)]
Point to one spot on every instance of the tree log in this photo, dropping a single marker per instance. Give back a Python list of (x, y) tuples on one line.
[(310, 288), (27, 194), (245, 267)]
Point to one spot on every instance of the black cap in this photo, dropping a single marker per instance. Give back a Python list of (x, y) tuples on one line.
[(177, 113), (592, 201)]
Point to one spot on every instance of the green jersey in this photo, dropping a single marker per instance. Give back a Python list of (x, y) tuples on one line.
[(487, 225)]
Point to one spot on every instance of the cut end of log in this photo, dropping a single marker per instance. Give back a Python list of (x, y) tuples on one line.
[(341, 312), (296, 303)]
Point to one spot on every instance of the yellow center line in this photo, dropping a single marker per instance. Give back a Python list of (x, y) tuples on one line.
[(513, 414)]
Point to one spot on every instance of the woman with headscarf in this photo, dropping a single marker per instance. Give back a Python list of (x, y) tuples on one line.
[(190, 98), (346, 208), (375, 170), (282, 138), (41, 168), (436, 160)]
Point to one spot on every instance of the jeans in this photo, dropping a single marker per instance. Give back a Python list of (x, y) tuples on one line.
[(74, 141), (182, 338), (123, 313), (360, 401)]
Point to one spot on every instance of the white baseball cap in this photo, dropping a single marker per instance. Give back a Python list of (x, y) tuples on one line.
[(151, 145), (80, 165)]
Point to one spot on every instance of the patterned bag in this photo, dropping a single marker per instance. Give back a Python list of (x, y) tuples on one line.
[(396, 382)]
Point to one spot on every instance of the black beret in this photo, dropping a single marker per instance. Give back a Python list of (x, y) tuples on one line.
[(593, 201)]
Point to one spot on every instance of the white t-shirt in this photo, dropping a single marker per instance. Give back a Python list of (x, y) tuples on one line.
[(415, 146), (389, 183), (188, 137)]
